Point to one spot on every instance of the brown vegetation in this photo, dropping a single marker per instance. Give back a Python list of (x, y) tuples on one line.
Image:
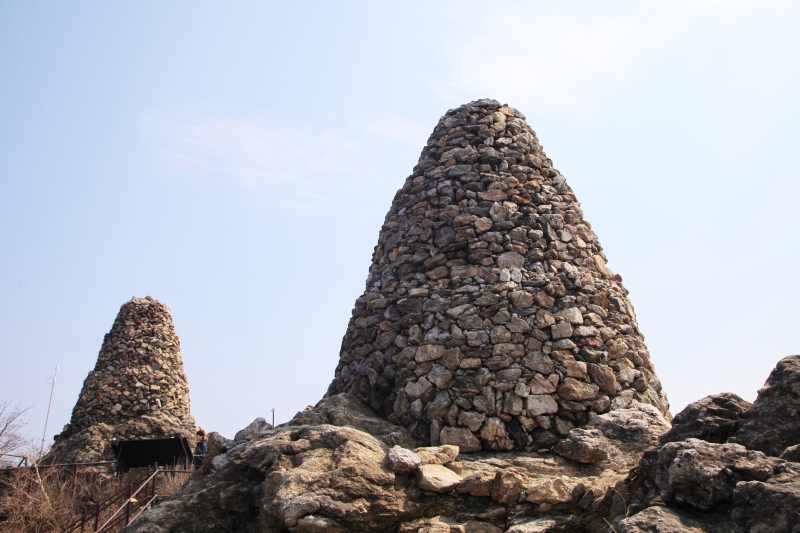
[(46, 499), (12, 441), (39, 501)]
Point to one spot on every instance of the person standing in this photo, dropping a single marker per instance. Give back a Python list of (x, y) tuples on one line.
[(201, 450)]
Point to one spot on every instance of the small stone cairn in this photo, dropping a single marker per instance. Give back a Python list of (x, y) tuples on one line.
[(490, 320), (139, 372)]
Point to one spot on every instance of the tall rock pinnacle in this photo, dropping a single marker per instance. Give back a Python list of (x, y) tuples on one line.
[(137, 389), (489, 318)]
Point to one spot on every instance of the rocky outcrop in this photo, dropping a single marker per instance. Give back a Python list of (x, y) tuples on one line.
[(716, 469), (137, 389), (323, 472), (773, 423), (489, 318), (713, 419), (493, 379)]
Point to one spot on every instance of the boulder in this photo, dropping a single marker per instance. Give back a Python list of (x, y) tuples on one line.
[(772, 424), (508, 485), (632, 430), (585, 446), (462, 437), (400, 459), (550, 491), (663, 520), (437, 478), (772, 507), (701, 474), (254, 430), (348, 410), (713, 419), (437, 455)]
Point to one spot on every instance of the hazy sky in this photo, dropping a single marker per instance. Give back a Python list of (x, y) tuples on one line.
[(236, 160)]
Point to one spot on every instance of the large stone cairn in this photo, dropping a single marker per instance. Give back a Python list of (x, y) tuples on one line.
[(489, 318), (139, 372)]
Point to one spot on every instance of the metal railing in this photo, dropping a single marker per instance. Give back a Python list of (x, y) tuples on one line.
[(22, 459), (121, 506), (49, 467)]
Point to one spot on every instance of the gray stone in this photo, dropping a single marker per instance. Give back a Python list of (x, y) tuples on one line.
[(466, 441), (572, 389), (772, 424), (437, 478), (254, 430), (510, 260), (540, 404), (561, 330), (400, 459)]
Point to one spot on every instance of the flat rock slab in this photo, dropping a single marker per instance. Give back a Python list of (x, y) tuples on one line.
[(437, 478)]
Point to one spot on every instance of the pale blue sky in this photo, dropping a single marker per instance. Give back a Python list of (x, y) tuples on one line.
[(235, 161)]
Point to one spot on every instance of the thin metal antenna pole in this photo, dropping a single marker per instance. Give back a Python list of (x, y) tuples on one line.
[(47, 420)]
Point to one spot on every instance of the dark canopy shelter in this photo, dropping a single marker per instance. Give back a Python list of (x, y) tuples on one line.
[(141, 453)]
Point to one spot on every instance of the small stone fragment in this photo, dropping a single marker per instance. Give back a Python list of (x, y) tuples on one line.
[(400, 459), (437, 478)]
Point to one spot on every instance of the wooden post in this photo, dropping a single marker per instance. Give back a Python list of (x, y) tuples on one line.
[(83, 518), (128, 507), (97, 518), (155, 468), (74, 481)]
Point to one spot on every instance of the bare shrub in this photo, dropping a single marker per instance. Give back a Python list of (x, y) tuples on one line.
[(45, 499), (28, 506), (12, 440)]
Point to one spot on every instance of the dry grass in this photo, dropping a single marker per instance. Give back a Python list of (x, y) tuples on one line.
[(47, 501)]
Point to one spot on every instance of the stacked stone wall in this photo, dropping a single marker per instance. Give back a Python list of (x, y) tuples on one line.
[(489, 318), (139, 372)]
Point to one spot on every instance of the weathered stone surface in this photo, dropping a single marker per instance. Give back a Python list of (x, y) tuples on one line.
[(254, 430), (400, 459), (437, 455), (549, 491), (584, 446), (578, 391), (792, 453), (767, 507), (437, 478), (662, 520), (508, 485), (773, 422), (540, 404), (634, 429), (464, 438), (347, 410), (721, 487), (540, 525), (713, 419), (702, 474), (136, 390), (495, 436), (325, 477), (604, 377), (485, 263)]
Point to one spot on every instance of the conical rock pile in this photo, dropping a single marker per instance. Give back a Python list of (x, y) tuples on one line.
[(137, 389), (489, 318)]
